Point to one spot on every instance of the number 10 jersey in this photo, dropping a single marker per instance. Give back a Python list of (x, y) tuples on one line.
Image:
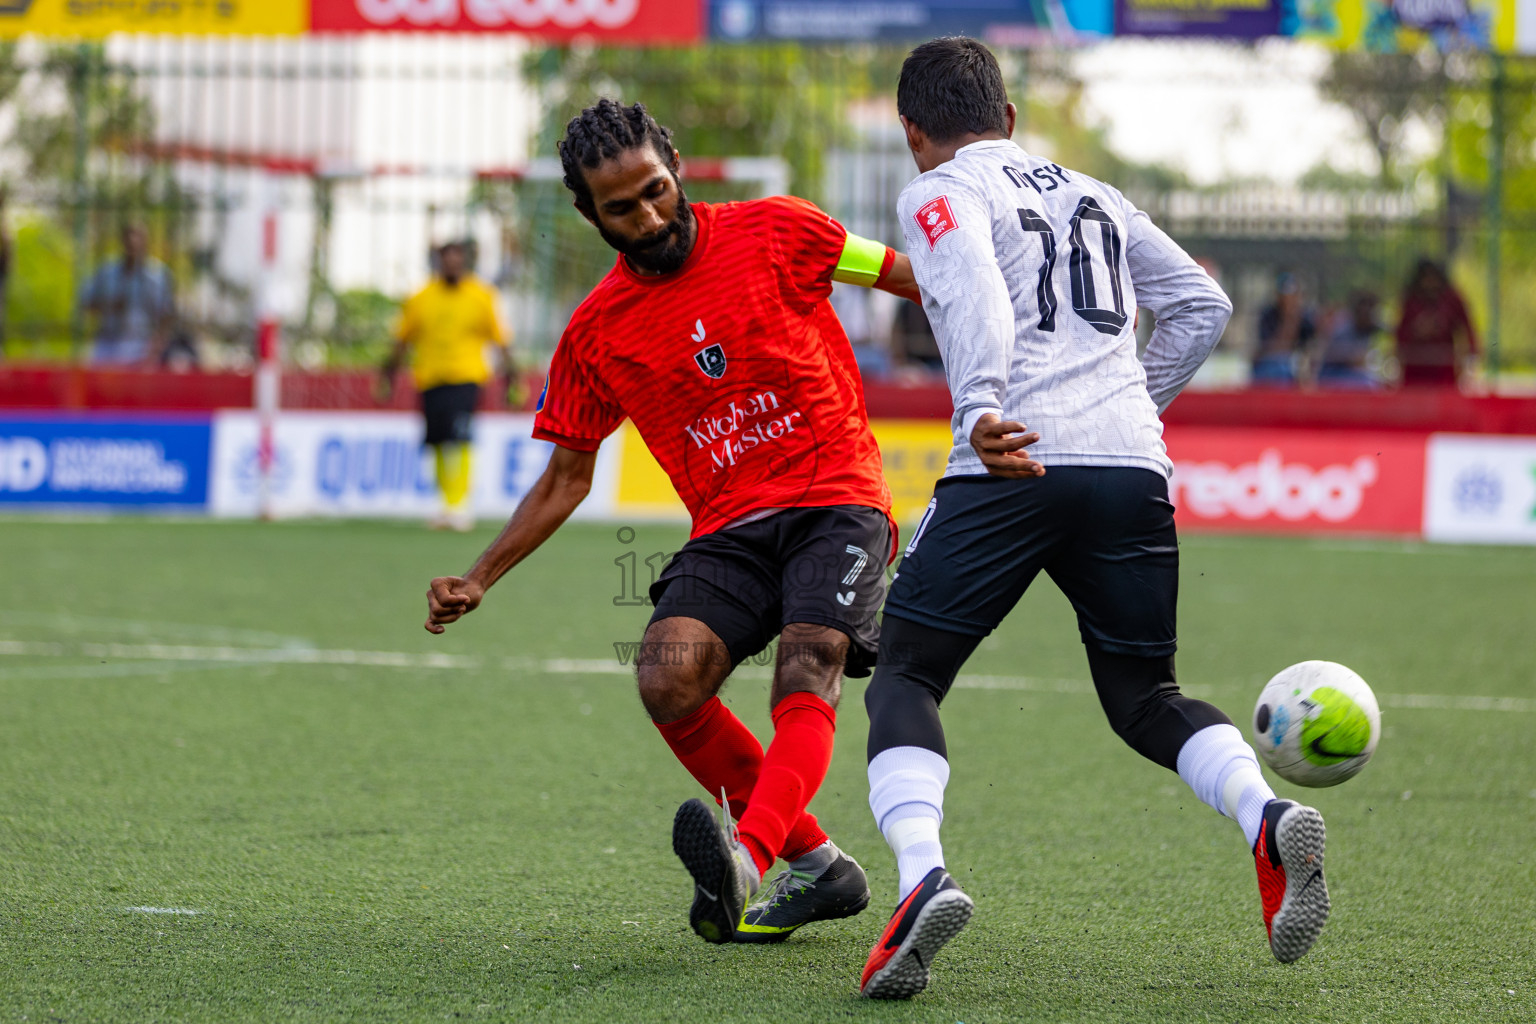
[(1031, 277)]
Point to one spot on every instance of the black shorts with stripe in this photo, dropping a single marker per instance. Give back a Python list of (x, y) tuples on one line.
[(823, 565), (1104, 535)]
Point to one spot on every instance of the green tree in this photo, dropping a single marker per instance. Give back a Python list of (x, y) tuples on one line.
[(1386, 92), (1470, 149), (82, 130)]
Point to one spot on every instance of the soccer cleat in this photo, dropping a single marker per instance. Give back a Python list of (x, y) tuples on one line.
[(1289, 857), (721, 882), (797, 898), (898, 965)]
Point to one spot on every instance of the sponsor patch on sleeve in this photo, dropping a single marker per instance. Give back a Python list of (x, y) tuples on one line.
[(936, 219)]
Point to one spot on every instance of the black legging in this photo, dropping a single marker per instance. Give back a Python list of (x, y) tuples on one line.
[(918, 664)]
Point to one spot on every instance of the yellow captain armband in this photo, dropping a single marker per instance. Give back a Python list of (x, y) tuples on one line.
[(864, 262)]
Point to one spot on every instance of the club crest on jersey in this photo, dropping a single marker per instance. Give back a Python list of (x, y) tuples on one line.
[(711, 360), (936, 219)]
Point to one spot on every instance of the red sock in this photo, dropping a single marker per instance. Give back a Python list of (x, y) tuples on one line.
[(792, 771), (719, 751)]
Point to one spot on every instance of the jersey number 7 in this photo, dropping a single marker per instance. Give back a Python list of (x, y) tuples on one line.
[(1084, 295)]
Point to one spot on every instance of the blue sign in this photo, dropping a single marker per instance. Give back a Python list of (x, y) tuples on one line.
[(1002, 22), (104, 461)]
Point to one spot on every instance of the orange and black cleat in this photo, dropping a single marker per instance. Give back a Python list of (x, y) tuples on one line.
[(932, 915), (1289, 858)]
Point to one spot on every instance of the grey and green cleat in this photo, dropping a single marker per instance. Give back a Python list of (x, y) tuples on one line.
[(722, 883), (797, 898)]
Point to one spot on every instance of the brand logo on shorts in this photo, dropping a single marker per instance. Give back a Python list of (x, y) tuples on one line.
[(860, 560)]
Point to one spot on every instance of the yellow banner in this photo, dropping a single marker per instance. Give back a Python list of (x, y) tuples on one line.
[(913, 453), (1379, 27), (92, 19)]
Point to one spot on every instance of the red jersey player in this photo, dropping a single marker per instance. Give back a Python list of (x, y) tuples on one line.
[(713, 334)]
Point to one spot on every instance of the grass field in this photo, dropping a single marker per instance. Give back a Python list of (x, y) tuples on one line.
[(207, 718)]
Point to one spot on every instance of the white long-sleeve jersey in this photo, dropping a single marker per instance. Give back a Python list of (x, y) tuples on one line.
[(1031, 276)]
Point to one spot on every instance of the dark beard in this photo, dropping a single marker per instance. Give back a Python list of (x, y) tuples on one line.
[(664, 252)]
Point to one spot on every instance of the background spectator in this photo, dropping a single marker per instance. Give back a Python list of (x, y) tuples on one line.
[(133, 300), (1286, 328), (1435, 338), (1343, 359), (912, 342), (851, 304)]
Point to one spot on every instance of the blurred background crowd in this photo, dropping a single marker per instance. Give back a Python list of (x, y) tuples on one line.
[(164, 196)]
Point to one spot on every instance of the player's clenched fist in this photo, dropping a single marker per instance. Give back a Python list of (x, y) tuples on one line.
[(449, 599), (1000, 445)]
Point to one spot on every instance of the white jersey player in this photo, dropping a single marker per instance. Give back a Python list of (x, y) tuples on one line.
[(1031, 275)]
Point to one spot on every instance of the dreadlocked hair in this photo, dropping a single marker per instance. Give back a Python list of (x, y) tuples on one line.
[(602, 132)]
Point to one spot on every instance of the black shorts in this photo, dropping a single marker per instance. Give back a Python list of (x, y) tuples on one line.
[(823, 565), (449, 409), (1104, 535)]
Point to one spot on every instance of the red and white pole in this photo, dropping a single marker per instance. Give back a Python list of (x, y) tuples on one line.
[(269, 356)]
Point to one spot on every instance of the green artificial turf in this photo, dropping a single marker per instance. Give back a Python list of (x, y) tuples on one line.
[(490, 840)]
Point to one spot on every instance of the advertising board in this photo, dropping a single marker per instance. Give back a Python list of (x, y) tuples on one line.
[(54, 461), (372, 464), (93, 19), (1291, 481), (1480, 489), (627, 22), (1248, 480), (1001, 22), (1231, 19)]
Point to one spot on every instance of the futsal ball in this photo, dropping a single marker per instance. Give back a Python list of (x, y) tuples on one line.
[(1316, 723)]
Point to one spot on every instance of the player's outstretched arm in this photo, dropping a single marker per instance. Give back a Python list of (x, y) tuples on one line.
[(561, 487), (899, 280)]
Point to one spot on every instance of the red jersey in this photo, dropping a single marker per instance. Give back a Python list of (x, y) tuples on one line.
[(734, 369)]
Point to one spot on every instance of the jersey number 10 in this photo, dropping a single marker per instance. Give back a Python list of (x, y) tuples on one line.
[(1084, 295)]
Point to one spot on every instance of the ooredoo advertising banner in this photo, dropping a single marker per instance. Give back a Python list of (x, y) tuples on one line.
[(1241, 480), (1284, 481), (1481, 489), (104, 461), (610, 21)]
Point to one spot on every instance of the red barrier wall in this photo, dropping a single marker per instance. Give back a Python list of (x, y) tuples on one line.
[(1416, 411), (77, 388)]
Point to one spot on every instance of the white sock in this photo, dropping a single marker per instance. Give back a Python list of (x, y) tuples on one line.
[(1222, 769), (906, 794), (918, 850)]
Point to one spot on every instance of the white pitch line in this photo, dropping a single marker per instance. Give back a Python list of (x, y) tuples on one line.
[(608, 666), (163, 910), (243, 655), (1441, 702)]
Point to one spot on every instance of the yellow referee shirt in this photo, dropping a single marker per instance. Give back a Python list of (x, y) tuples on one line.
[(447, 327)]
